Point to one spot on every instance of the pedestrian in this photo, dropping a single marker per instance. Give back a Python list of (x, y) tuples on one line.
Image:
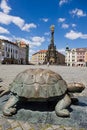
[(48, 64)]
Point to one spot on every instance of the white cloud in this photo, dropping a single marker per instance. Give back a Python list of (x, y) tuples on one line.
[(27, 27), (73, 25), (5, 8), (65, 26), (84, 36), (17, 21), (62, 50), (45, 19), (31, 51), (75, 35), (61, 2), (33, 42), (78, 12), (3, 30), (8, 19), (61, 19), (5, 19), (47, 33), (37, 40), (6, 38)]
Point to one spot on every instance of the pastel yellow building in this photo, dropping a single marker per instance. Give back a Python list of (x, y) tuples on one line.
[(86, 56), (38, 57)]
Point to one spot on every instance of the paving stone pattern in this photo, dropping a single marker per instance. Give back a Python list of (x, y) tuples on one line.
[(7, 124)]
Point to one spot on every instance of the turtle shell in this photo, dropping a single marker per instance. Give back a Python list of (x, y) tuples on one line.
[(38, 83)]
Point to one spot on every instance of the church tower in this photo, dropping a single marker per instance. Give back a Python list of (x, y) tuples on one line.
[(52, 54)]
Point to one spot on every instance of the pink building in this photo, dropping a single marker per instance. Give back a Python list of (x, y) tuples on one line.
[(81, 56)]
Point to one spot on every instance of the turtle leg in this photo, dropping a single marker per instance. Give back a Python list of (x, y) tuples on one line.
[(73, 99), (61, 106), (9, 107)]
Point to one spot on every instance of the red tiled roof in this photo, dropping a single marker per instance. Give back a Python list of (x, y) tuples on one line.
[(42, 51), (81, 49)]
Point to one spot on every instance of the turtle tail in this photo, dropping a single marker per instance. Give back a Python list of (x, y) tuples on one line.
[(75, 87)]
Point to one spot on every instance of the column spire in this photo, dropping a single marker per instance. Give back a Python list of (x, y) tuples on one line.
[(52, 34)]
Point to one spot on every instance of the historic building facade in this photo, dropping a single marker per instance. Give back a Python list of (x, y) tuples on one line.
[(76, 56), (81, 56), (12, 53), (86, 57), (23, 52), (8, 52), (71, 57), (38, 57)]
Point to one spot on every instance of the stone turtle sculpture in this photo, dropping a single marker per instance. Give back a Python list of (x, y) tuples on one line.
[(38, 85)]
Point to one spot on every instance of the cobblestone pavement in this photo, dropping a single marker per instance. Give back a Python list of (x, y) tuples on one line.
[(70, 74), (7, 124)]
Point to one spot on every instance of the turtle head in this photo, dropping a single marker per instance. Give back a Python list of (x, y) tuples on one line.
[(76, 87)]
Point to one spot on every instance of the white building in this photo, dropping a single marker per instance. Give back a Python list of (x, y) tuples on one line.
[(71, 57), (8, 52), (76, 57), (13, 53)]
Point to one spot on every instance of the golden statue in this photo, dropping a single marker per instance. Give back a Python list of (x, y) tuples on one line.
[(52, 28)]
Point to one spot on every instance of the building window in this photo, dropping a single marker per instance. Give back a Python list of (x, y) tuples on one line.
[(2, 53), (0, 46), (16, 51), (7, 54), (6, 48)]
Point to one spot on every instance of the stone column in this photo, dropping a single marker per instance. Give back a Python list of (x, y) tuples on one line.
[(52, 34)]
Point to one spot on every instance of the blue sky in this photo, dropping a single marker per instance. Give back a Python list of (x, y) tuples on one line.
[(30, 21)]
